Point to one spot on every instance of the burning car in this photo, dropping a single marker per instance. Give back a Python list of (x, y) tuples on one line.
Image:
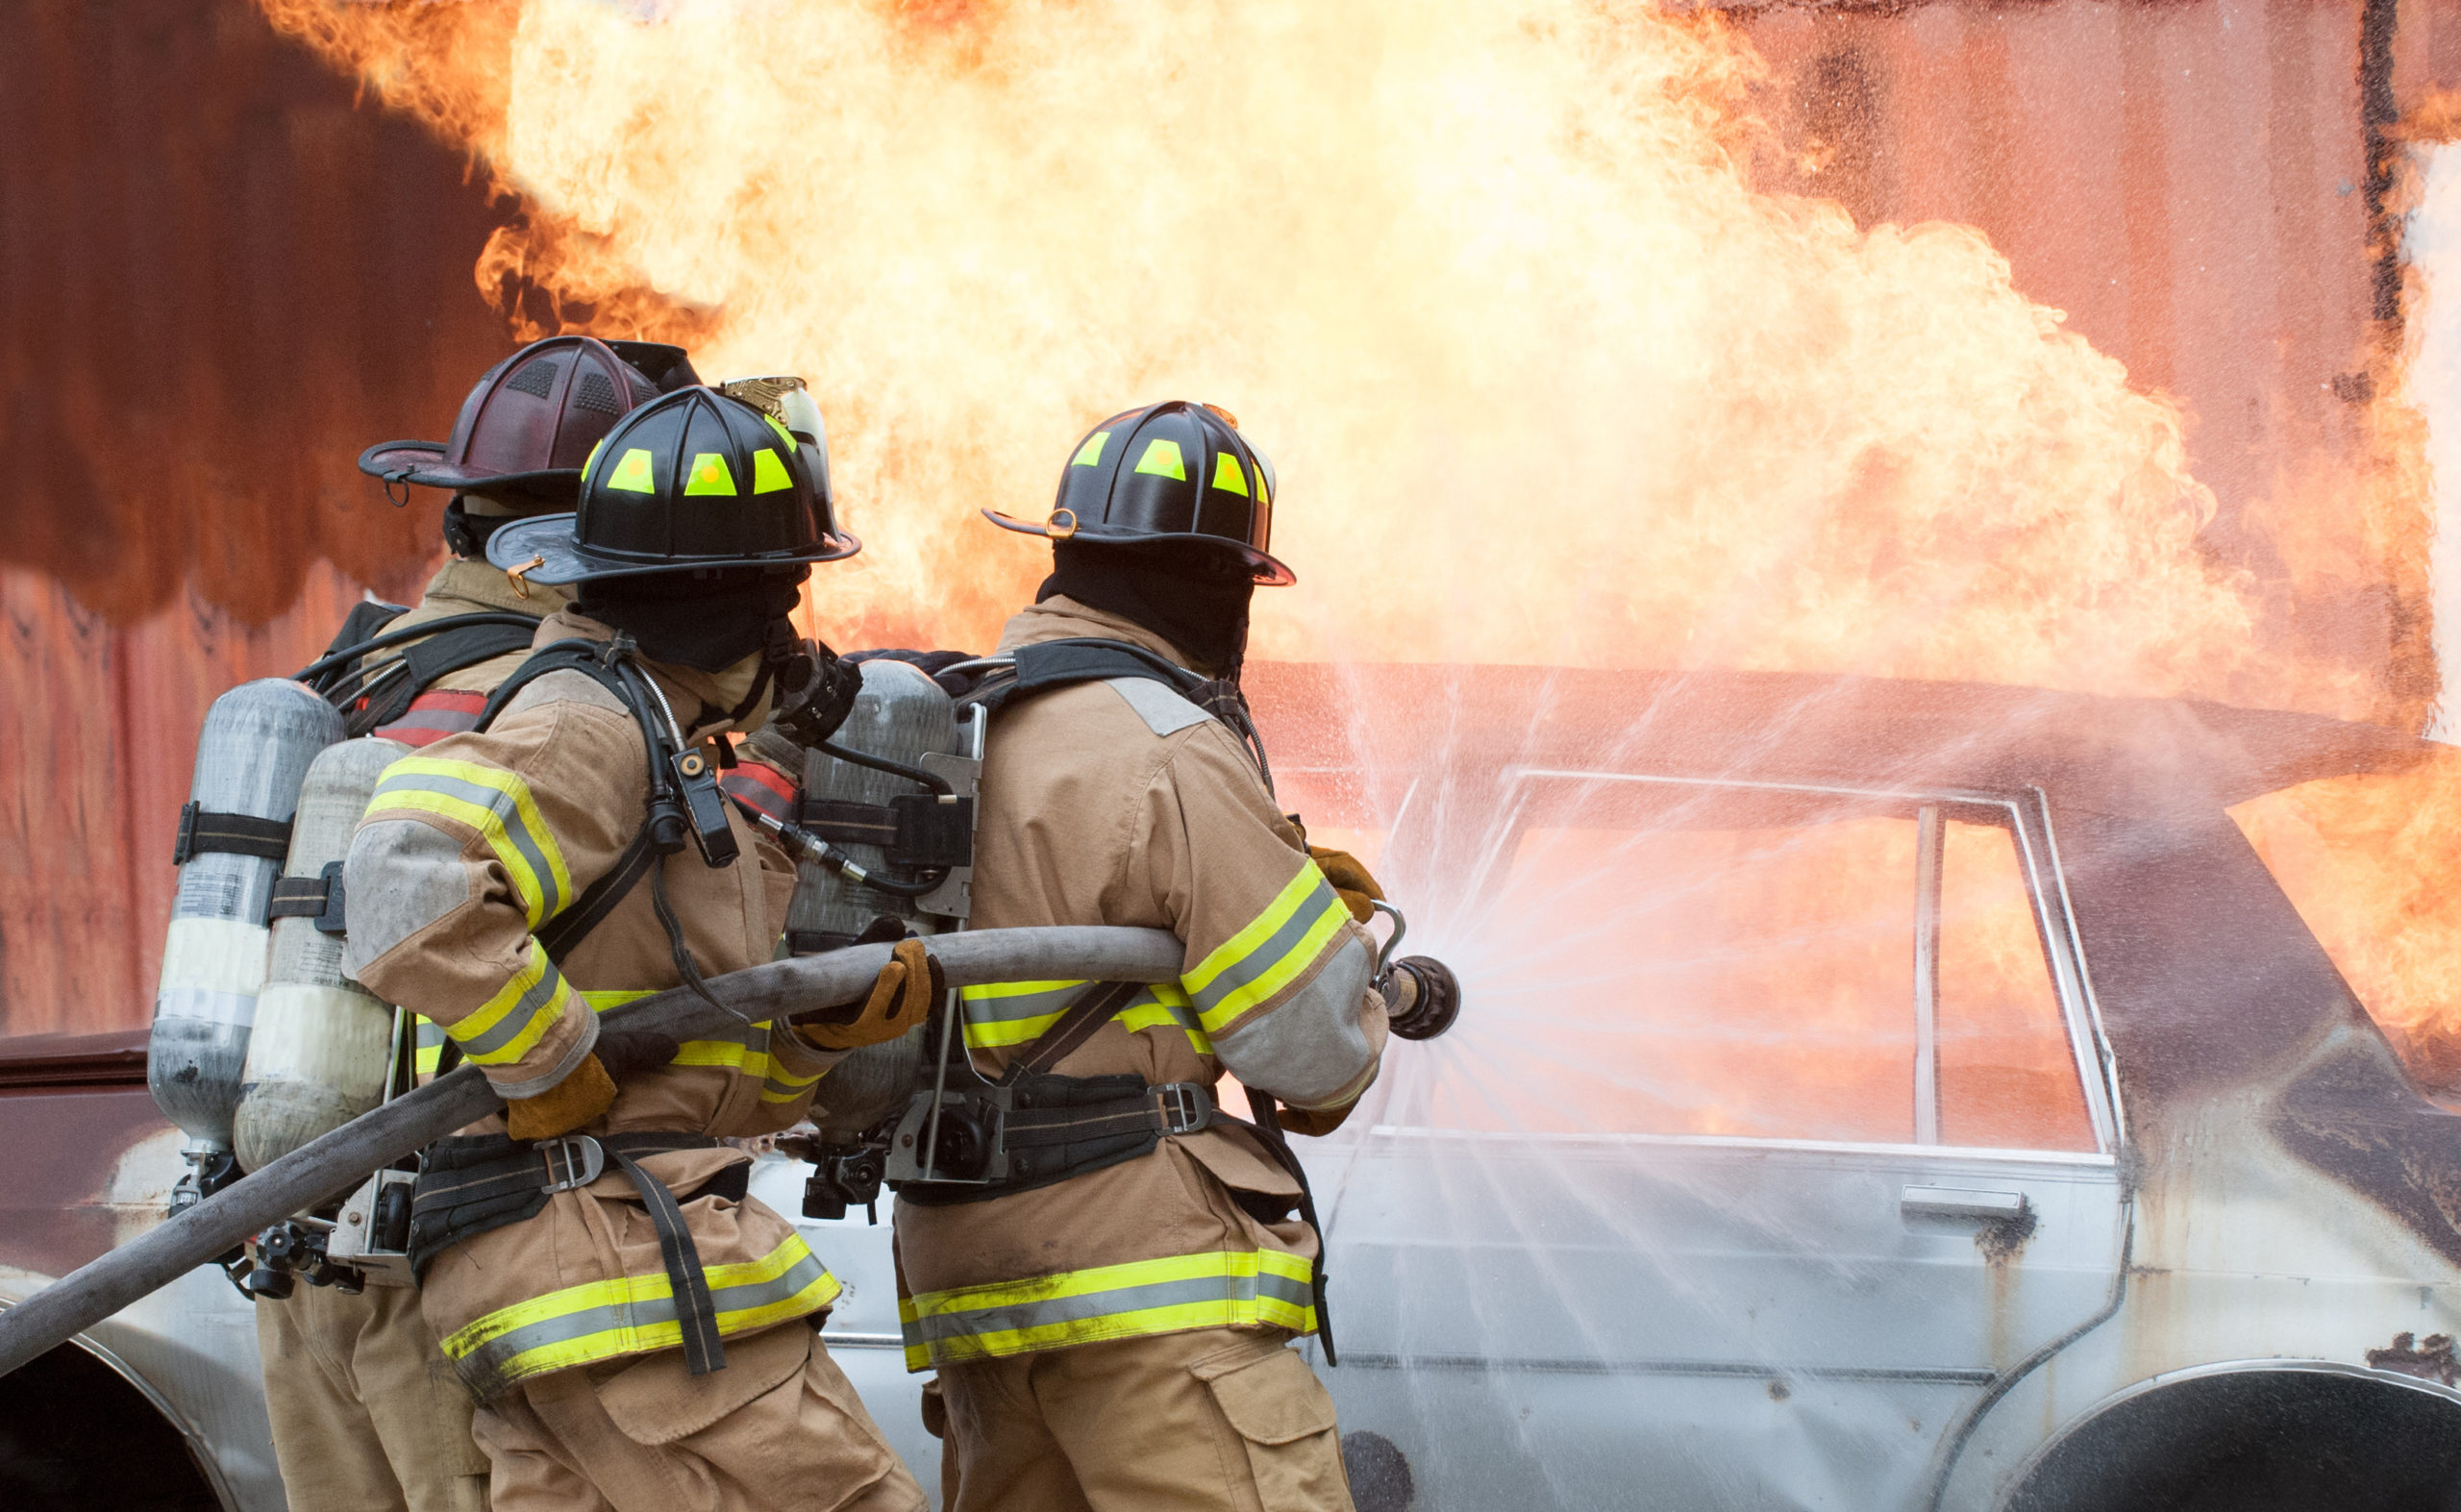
[(1872, 1094)]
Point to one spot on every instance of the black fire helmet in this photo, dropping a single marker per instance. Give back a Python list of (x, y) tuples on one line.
[(694, 482), (1174, 472)]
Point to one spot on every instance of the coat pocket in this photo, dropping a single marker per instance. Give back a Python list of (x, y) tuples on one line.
[(655, 1400), (1286, 1418)]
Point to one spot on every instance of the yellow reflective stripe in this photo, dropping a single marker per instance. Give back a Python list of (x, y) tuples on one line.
[(616, 997), (1220, 1289), (632, 1315), (633, 473), (495, 802), (505, 1027), (778, 1083), (1162, 459), (1271, 951), (999, 1014)]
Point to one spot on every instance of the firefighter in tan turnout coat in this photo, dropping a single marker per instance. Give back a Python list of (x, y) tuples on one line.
[(1114, 1336), (366, 1414), (639, 1332)]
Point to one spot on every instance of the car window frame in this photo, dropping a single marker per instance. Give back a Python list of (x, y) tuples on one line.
[(2046, 882)]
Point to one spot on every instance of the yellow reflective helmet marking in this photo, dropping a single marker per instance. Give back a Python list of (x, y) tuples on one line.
[(769, 473), (779, 425), (1090, 454), (632, 472), (709, 475), (591, 461), (1162, 459), (1227, 475), (1263, 496)]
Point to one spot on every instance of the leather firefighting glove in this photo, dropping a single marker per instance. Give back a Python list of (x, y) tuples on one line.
[(589, 1091), (1315, 1123), (902, 997), (1358, 890)]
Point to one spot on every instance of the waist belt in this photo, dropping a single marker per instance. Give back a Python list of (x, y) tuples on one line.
[(1055, 1128), (475, 1184)]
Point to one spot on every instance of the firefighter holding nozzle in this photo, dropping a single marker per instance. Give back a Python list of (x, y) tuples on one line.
[(1108, 1291), (639, 1331)]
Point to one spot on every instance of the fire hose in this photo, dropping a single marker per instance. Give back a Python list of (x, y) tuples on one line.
[(333, 1164)]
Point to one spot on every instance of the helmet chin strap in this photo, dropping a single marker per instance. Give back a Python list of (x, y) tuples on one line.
[(778, 652)]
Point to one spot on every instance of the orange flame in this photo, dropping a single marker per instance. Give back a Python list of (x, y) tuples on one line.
[(1543, 378)]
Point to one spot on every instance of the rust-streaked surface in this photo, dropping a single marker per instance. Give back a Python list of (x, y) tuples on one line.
[(225, 278)]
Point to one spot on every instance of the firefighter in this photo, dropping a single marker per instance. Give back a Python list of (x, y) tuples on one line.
[(639, 1331), (365, 1412), (1111, 1327)]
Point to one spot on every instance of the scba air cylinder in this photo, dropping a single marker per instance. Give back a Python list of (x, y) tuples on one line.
[(323, 1043), (900, 715), (251, 757)]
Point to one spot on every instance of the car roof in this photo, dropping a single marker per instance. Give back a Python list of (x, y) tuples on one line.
[(2114, 754)]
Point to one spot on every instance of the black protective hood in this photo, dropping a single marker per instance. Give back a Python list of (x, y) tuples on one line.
[(1196, 598)]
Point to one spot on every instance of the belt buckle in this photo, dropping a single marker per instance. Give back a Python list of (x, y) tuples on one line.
[(1185, 1106), (573, 1160)]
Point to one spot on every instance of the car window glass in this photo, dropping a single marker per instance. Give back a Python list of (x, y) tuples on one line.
[(2007, 1075), (1724, 963)]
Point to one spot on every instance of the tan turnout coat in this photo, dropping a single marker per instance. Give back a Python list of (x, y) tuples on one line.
[(1120, 803), (470, 845)]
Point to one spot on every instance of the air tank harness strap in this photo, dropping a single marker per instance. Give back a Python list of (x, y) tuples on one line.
[(202, 830), (319, 898), (473, 1185)]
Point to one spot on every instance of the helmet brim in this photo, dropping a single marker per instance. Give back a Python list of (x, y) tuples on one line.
[(422, 462), (1269, 570), (547, 541)]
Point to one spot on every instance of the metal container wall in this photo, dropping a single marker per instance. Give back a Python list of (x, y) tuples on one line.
[(253, 754)]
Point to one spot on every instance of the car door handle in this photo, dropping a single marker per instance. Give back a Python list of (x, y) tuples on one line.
[(1952, 1201)]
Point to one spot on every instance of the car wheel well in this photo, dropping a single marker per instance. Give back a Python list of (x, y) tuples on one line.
[(75, 1434), (2256, 1438)]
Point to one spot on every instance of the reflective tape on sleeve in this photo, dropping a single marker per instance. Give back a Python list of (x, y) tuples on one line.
[(495, 802), (1272, 951)]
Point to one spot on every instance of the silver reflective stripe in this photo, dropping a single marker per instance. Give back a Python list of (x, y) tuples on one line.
[(508, 814), (1164, 712), (1019, 1317), (497, 1363), (549, 986), (1269, 951), (1008, 1008)]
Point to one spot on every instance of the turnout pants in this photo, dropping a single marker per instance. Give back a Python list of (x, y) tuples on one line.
[(368, 1415), (1216, 1420), (779, 1427)]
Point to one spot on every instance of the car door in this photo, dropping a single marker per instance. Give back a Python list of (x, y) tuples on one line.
[(1773, 1130)]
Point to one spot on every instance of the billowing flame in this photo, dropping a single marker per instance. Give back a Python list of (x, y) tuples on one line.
[(1545, 379), (2368, 861)]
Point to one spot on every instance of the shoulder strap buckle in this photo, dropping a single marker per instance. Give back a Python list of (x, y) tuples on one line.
[(573, 1160), (1185, 1107)]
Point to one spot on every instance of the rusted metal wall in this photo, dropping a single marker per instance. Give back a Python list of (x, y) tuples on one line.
[(2188, 181), (219, 279)]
